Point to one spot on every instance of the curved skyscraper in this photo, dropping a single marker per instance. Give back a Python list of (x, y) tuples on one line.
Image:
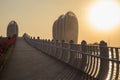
[(66, 28), (12, 29)]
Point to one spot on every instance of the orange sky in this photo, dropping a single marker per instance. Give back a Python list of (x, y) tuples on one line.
[(36, 18)]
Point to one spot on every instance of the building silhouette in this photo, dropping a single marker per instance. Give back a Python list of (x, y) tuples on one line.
[(66, 28), (12, 29)]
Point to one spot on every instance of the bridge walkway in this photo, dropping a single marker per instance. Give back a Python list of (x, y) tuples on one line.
[(27, 63)]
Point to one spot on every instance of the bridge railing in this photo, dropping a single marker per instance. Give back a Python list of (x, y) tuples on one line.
[(100, 62)]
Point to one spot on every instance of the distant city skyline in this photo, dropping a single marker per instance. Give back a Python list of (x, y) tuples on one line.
[(36, 17)]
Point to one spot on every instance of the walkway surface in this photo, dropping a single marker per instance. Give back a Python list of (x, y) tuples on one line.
[(27, 63)]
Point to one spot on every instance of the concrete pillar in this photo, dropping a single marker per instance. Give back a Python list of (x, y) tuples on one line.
[(104, 63), (49, 45), (63, 51), (71, 55), (34, 38), (38, 38), (55, 48), (84, 57)]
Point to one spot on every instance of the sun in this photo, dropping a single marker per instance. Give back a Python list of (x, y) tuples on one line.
[(104, 15)]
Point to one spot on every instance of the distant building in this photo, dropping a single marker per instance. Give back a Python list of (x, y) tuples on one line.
[(66, 28), (12, 29)]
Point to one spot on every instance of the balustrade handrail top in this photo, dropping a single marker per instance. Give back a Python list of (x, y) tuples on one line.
[(114, 47)]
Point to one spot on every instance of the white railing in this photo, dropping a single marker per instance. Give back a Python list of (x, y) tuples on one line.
[(99, 62)]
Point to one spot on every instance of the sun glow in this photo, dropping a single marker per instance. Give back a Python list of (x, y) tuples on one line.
[(104, 15)]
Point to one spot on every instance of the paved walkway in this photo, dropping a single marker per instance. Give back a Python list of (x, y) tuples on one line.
[(27, 63)]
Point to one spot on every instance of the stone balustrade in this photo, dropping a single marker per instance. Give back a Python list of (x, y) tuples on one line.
[(97, 62)]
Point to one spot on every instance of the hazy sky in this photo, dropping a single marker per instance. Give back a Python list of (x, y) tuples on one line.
[(36, 17)]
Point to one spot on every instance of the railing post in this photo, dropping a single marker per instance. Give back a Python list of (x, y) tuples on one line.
[(117, 63), (31, 37), (38, 38), (34, 38), (40, 44), (84, 57), (63, 51), (56, 48), (104, 63), (45, 46), (48, 46), (60, 50), (52, 48), (71, 55)]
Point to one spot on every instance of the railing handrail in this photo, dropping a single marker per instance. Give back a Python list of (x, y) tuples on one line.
[(86, 56)]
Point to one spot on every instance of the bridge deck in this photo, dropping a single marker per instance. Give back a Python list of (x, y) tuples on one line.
[(27, 63)]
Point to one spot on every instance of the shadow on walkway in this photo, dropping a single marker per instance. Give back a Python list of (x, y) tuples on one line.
[(27, 63)]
